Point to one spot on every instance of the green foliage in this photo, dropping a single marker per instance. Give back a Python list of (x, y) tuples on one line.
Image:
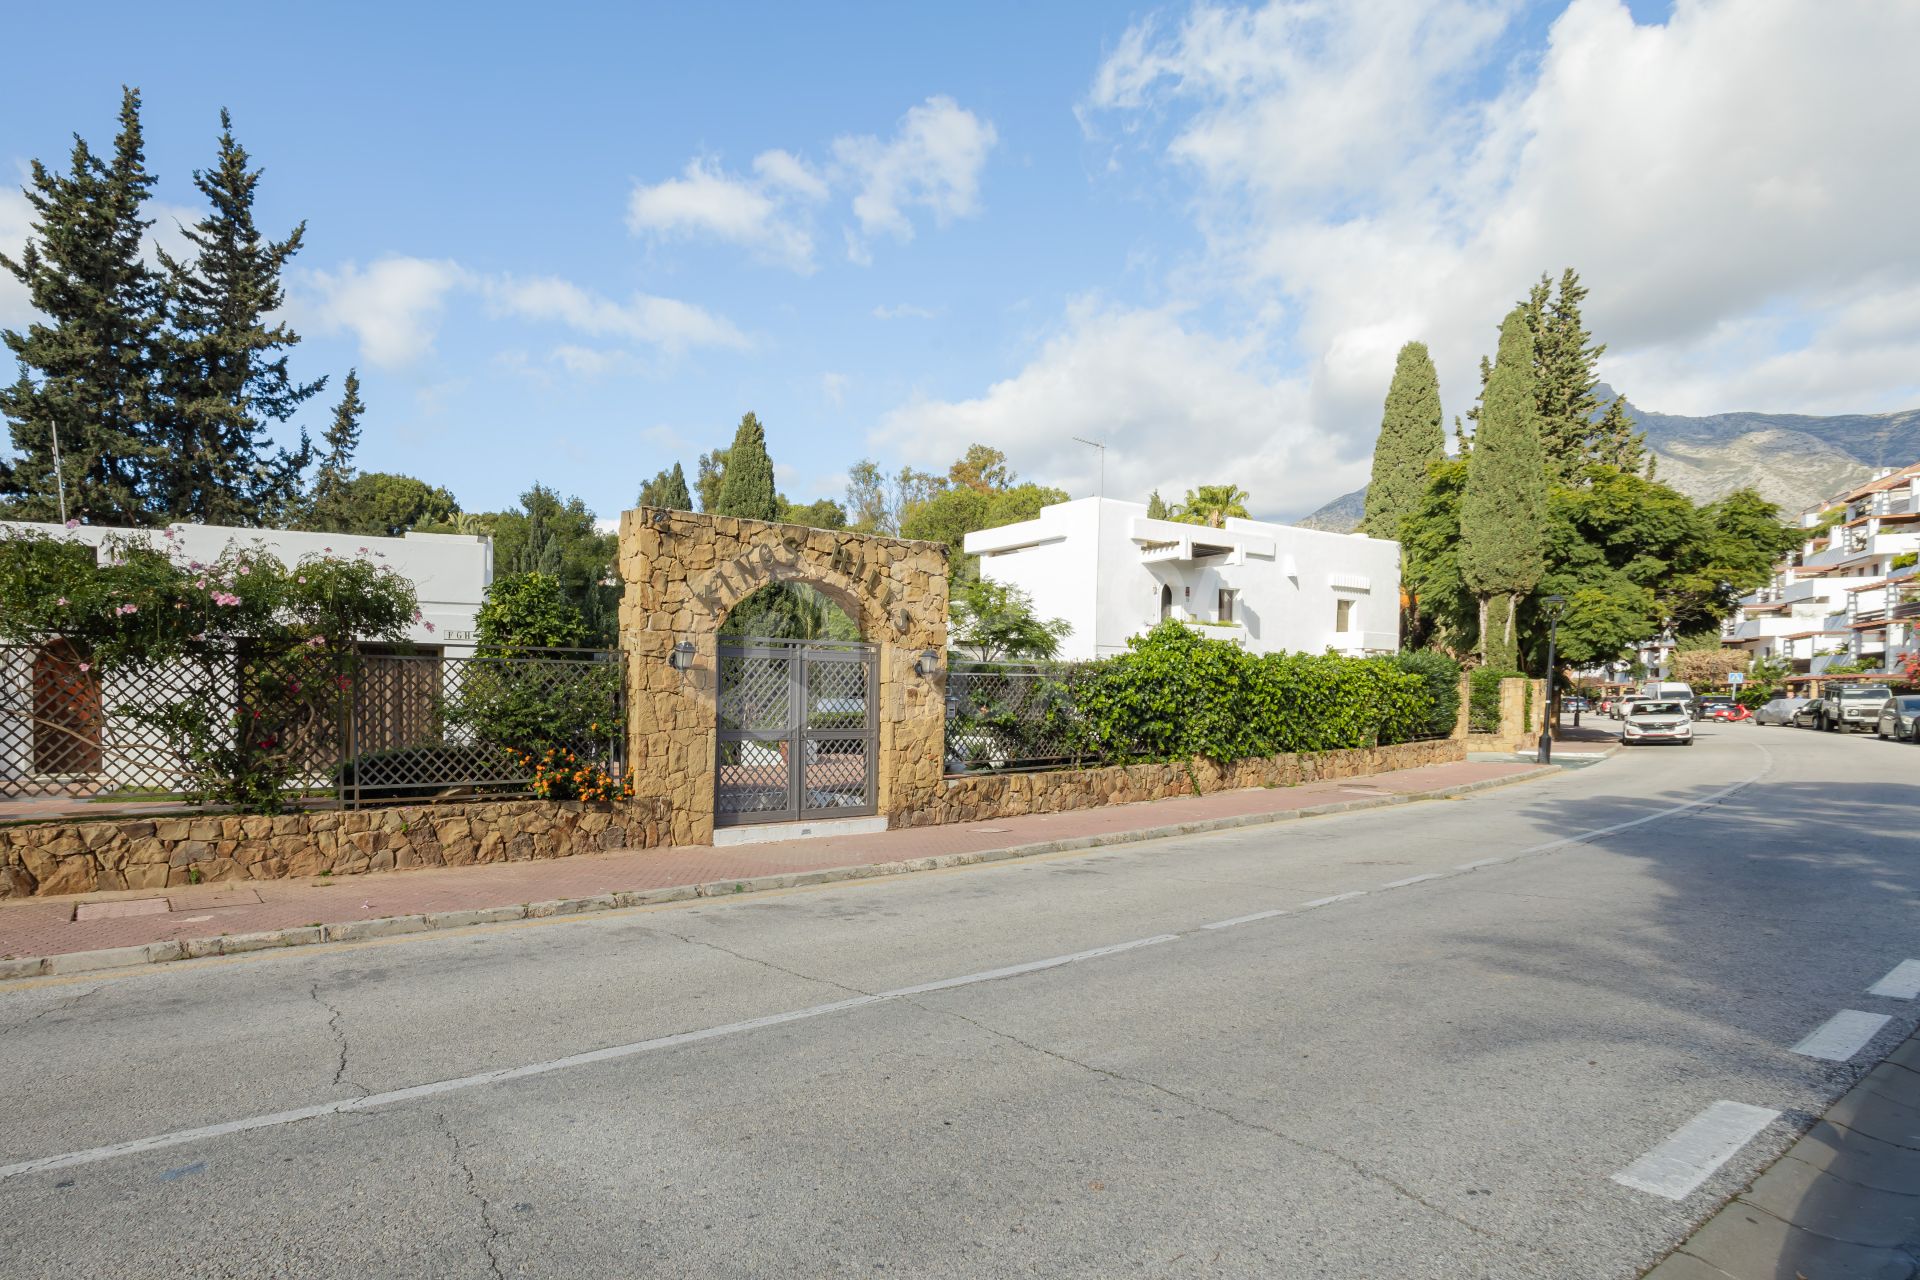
[(710, 475), (381, 504), (529, 704), (1504, 507), (1430, 544), (981, 468), (822, 513), (996, 621), (528, 611), (325, 505), (1157, 508), (747, 488), (667, 490), (1411, 440), (1564, 377), (1483, 698), (1614, 443), (951, 514), (1905, 560), (1176, 695), (1442, 676), (560, 539), (1212, 505), (789, 611)]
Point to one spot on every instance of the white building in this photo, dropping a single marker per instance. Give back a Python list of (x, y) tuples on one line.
[(1112, 573), (1850, 593), (450, 572)]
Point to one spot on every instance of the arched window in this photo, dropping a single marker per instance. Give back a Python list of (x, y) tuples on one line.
[(1166, 602)]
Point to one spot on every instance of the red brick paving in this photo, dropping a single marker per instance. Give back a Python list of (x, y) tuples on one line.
[(45, 926)]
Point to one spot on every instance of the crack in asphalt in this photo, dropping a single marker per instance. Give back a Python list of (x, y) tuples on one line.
[(339, 1033), (490, 1234), (765, 964), (62, 1006), (1359, 1169)]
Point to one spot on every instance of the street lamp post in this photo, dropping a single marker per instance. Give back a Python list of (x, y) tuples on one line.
[(1555, 608)]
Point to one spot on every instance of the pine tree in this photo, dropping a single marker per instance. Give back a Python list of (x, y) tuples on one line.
[(1412, 438), (1157, 508), (668, 490), (1565, 360), (86, 367), (334, 477), (1503, 513), (747, 487), (1616, 444), (226, 379)]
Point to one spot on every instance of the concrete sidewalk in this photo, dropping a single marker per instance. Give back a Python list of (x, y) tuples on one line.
[(111, 930), (1842, 1203)]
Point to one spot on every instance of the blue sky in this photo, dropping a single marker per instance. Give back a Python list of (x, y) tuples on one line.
[(574, 244)]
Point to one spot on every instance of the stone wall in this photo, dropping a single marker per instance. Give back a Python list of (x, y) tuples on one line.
[(156, 853), (684, 572), (1523, 715), (1009, 795)]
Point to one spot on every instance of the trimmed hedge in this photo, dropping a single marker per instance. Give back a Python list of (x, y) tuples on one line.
[(1483, 698), (1176, 695), (1442, 675)]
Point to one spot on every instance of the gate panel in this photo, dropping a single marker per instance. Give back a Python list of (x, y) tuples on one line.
[(797, 727)]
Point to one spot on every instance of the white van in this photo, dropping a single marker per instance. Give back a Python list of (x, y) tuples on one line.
[(1668, 691)]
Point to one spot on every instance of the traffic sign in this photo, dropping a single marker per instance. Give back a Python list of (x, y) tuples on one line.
[(1736, 677)]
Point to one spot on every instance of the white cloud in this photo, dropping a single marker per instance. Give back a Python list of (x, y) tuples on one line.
[(834, 387), (787, 171), (905, 311), (706, 201), (1727, 184), (393, 306), (933, 161), (16, 220), (1175, 406)]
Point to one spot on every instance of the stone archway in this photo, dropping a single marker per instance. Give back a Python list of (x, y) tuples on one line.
[(685, 571)]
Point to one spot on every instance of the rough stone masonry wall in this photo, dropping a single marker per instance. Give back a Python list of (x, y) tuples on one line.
[(1009, 795), (156, 853), (684, 572)]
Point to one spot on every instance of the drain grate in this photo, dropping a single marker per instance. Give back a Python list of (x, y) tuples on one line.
[(120, 909)]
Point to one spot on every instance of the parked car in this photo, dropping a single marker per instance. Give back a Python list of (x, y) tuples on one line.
[(1575, 703), (1855, 707), (1676, 690), (1657, 720), (1811, 714), (1900, 718), (1707, 703), (1722, 709), (1778, 711)]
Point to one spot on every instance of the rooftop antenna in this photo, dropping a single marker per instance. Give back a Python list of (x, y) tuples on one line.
[(59, 478), (1101, 446)]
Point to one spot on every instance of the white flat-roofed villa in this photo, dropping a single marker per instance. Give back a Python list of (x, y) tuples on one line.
[(1113, 573)]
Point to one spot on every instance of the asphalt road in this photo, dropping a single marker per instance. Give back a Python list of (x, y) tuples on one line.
[(1439, 1077)]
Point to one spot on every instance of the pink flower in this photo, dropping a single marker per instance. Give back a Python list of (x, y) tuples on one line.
[(74, 524), (302, 579), (201, 583), (62, 602), (127, 608), (86, 666), (244, 570), (429, 627)]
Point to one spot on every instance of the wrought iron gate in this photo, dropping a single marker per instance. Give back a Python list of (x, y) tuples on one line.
[(798, 731)]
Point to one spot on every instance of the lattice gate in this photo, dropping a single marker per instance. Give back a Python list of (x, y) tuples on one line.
[(798, 731)]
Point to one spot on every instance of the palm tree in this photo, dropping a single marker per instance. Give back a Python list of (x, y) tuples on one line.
[(1211, 504)]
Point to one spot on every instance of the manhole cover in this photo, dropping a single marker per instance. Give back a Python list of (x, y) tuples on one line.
[(121, 909)]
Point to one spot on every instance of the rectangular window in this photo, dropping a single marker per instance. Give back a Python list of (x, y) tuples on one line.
[(1226, 604), (1343, 615)]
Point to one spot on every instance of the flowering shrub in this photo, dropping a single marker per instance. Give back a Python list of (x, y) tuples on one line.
[(559, 775)]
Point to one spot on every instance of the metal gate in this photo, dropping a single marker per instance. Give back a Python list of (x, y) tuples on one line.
[(798, 731)]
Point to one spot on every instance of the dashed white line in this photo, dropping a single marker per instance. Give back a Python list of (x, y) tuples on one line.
[(1843, 1035), (1698, 1147), (1902, 983), (1401, 884), (1338, 897), (1258, 915)]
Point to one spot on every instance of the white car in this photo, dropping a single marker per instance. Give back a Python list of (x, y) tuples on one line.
[(1666, 720)]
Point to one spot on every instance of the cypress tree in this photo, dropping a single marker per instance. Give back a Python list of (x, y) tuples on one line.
[(669, 490), (226, 367), (86, 367), (1157, 508), (747, 487), (1412, 438), (325, 507), (1503, 513)]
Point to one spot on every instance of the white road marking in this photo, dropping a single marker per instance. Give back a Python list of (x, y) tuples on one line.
[(1484, 862), (1902, 983), (1401, 884), (392, 1097), (1698, 1147), (1258, 915), (1843, 1035)]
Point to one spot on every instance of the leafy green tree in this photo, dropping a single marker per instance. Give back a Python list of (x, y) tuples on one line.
[(747, 488), (822, 513), (1157, 508), (789, 611), (867, 504), (224, 378), (1565, 359), (380, 504), (710, 475), (86, 365), (1616, 444), (1412, 438), (996, 621), (528, 611), (326, 501), (983, 469), (953, 513), (667, 490), (1430, 540), (1504, 507), (1212, 505), (560, 538)]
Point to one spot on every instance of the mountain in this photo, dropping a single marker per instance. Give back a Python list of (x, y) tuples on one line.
[(1793, 459)]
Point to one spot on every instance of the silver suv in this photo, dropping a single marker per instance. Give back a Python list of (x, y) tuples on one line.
[(1855, 707)]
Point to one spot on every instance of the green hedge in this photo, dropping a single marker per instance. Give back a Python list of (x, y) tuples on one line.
[(1442, 676), (1176, 695), (1483, 698)]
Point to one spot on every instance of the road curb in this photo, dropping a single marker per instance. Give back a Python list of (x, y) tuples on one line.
[(152, 953)]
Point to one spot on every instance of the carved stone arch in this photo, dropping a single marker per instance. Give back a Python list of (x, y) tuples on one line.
[(684, 572)]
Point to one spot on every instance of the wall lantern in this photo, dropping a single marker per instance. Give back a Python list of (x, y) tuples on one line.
[(680, 657), (926, 664)]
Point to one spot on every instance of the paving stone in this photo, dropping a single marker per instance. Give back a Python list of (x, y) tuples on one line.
[(1810, 1197), (1859, 1159), (1878, 1116), (1684, 1266), (1750, 1244)]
